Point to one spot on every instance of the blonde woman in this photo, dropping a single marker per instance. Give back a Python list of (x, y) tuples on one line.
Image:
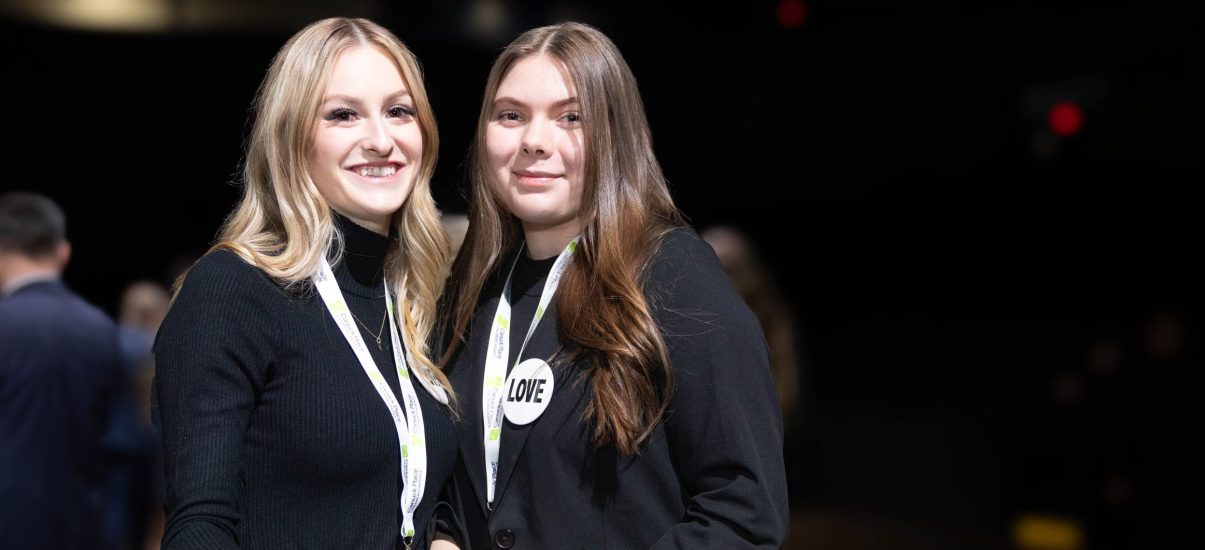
[(298, 403), (616, 389)]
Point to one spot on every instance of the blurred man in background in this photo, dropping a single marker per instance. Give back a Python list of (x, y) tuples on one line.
[(59, 362)]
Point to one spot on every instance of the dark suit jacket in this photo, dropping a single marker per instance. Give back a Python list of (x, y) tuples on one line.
[(59, 362), (710, 476)]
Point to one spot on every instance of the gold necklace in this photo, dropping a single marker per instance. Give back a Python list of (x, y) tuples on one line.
[(380, 331)]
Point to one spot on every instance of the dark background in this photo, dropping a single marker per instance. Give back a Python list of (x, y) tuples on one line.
[(953, 265)]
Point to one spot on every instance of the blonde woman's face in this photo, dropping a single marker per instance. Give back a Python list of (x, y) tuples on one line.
[(535, 143), (367, 142)]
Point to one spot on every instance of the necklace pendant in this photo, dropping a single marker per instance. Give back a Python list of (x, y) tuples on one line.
[(379, 344)]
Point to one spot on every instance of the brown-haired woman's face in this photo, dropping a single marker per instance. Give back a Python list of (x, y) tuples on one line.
[(535, 144), (367, 143)]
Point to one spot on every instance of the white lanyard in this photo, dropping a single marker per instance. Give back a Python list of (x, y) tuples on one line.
[(410, 432), (495, 361)]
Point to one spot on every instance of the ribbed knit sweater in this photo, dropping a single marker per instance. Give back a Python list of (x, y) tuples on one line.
[(273, 435)]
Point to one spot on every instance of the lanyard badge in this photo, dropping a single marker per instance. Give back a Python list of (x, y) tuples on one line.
[(522, 396), (409, 427)]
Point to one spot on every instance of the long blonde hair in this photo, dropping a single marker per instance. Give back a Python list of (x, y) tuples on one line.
[(626, 212), (283, 225)]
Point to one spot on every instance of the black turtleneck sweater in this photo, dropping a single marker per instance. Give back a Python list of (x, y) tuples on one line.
[(273, 435)]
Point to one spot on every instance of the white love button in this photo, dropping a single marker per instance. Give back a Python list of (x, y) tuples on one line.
[(528, 390)]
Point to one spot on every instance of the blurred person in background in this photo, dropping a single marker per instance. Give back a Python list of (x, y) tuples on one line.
[(1168, 476), (456, 225), (760, 290), (59, 364), (134, 492)]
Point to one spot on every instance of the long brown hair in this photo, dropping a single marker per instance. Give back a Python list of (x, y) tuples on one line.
[(626, 211), (283, 225)]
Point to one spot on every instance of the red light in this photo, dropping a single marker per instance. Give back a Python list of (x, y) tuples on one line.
[(1065, 119), (792, 13)]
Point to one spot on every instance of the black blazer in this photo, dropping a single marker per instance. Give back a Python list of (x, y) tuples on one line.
[(59, 366), (710, 476)]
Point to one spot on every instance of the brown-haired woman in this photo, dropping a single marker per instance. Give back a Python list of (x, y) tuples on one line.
[(636, 409)]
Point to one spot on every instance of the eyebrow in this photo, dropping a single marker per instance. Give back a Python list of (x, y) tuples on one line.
[(513, 101), (356, 101)]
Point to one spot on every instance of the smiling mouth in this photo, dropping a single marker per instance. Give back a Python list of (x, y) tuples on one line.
[(376, 171), (536, 176)]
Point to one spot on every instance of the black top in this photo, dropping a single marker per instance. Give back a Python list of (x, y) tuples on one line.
[(59, 366), (710, 476), (273, 435), (527, 283)]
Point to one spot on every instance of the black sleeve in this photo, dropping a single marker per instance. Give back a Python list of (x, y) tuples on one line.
[(210, 356), (724, 425)]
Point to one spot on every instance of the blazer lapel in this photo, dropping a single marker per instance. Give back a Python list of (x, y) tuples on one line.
[(471, 440), (469, 373), (514, 438)]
